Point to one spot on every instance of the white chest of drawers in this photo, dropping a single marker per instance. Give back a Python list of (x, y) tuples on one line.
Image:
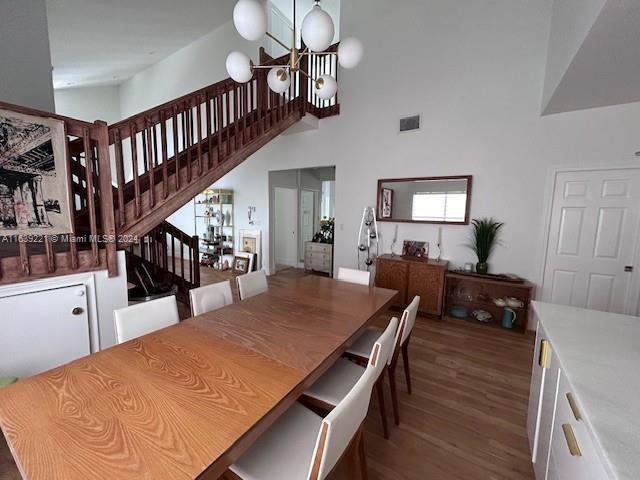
[(318, 257)]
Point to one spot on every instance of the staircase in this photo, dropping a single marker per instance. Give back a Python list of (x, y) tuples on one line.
[(165, 257), (125, 179)]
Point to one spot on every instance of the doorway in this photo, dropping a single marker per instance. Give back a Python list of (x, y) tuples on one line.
[(299, 200), (285, 223), (592, 240)]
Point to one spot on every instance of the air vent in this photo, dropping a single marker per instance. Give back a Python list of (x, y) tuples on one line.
[(410, 123)]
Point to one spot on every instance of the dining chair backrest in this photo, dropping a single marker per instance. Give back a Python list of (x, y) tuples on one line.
[(210, 297), (251, 284), (342, 423), (407, 322), (412, 312), (354, 276), (142, 318)]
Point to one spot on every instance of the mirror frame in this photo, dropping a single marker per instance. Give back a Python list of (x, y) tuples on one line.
[(468, 178)]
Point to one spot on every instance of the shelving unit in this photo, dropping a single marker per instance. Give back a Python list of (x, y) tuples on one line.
[(477, 292), (213, 213)]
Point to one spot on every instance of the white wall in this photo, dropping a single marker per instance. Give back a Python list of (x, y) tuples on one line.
[(475, 70), (195, 66), (89, 103), (25, 73)]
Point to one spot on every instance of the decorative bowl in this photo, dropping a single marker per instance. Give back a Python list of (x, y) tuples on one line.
[(458, 312)]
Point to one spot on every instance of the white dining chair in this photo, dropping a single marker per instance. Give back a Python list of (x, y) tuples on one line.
[(361, 349), (354, 276), (142, 318), (329, 390), (251, 284), (210, 297), (302, 445)]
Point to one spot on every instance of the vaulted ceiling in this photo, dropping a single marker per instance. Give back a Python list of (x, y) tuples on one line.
[(594, 55), (98, 42)]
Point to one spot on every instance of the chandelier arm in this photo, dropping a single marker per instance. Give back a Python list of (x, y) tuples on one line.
[(277, 40), (300, 54), (307, 75), (271, 66)]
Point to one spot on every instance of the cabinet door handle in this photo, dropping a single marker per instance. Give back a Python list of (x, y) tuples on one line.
[(545, 354), (572, 443), (574, 406)]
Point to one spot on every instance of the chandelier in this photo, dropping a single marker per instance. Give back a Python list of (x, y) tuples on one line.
[(317, 32)]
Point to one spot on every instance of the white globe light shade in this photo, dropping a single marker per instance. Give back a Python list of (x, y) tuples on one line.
[(250, 19), (350, 52), (239, 67), (326, 87), (317, 29), (278, 79)]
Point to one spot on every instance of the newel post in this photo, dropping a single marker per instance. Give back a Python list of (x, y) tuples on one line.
[(101, 134), (195, 246)]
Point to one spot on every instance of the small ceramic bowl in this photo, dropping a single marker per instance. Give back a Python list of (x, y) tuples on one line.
[(514, 302), (499, 302), (459, 312)]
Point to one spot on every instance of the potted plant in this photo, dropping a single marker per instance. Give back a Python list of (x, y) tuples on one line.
[(483, 238), (325, 235)]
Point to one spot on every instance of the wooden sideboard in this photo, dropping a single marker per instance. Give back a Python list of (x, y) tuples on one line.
[(413, 277), (477, 292)]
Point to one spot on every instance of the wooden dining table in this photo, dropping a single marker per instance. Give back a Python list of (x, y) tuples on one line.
[(186, 401)]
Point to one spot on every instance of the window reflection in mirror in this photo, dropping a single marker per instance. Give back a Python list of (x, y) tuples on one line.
[(425, 200)]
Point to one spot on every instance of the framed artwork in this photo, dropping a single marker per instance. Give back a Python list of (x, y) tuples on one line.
[(240, 264), (34, 198), (251, 242), (419, 250), (387, 202)]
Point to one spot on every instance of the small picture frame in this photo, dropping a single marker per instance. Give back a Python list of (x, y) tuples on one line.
[(240, 264), (416, 250), (387, 203)]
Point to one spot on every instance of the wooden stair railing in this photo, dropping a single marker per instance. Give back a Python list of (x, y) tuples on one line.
[(91, 243), (144, 168), (170, 256), (166, 155)]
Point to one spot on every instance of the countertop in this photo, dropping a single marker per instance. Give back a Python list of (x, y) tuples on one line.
[(600, 356)]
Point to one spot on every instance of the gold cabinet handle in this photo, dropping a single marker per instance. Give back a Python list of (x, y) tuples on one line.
[(574, 406), (572, 443), (545, 354)]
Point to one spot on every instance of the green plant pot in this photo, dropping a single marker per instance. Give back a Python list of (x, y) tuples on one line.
[(482, 267)]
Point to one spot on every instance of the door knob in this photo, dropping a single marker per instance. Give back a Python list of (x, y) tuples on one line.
[(77, 311)]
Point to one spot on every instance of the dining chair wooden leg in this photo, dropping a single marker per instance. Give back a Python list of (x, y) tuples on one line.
[(383, 412), (405, 360), (394, 392), (363, 457)]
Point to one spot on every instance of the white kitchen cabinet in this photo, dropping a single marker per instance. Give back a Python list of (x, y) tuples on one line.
[(573, 452), (542, 402), (43, 329), (562, 444)]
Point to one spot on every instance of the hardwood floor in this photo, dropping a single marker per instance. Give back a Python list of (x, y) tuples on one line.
[(466, 418)]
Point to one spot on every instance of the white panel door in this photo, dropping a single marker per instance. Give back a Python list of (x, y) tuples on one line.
[(286, 226), (42, 330), (592, 239)]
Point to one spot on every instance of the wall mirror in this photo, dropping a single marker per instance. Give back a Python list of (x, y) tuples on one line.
[(425, 200)]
